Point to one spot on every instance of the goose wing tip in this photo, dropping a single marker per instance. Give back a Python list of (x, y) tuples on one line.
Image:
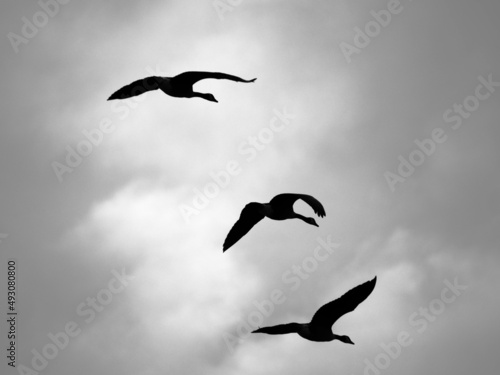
[(115, 95)]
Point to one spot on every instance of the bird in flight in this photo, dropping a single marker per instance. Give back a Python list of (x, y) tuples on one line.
[(279, 208), (320, 326), (180, 86)]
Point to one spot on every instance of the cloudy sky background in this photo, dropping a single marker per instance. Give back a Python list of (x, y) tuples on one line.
[(120, 208)]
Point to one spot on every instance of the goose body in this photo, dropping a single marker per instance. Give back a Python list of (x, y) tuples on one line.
[(320, 327), (279, 208), (180, 86)]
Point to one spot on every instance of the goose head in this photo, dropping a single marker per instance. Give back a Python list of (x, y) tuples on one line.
[(210, 98), (345, 339), (310, 220)]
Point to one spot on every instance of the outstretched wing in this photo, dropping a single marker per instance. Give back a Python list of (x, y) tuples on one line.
[(136, 88), (250, 215), (329, 313), (288, 199), (280, 329), (190, 78)]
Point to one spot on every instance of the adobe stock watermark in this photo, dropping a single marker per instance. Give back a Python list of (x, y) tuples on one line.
[(31, 26), (420, 321), (363, 37), (293, 278), (93, 138), (426, 147), (224, 6), (221, 179), (3, 236), (88, 310)]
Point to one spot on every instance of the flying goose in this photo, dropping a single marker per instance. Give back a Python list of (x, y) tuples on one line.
[(279, 208), (320, 327), (180, 86)]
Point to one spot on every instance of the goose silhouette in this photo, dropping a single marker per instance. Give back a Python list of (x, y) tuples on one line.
[(180, 86), (320, 327), (279, 208)]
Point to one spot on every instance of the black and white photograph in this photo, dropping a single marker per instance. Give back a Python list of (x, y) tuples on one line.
[(250, 187)]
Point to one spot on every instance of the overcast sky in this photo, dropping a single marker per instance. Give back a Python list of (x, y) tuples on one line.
[(386, 112)]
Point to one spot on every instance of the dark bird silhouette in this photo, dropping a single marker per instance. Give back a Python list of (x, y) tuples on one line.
[(320, 327), (279, 208), (180, 86)]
